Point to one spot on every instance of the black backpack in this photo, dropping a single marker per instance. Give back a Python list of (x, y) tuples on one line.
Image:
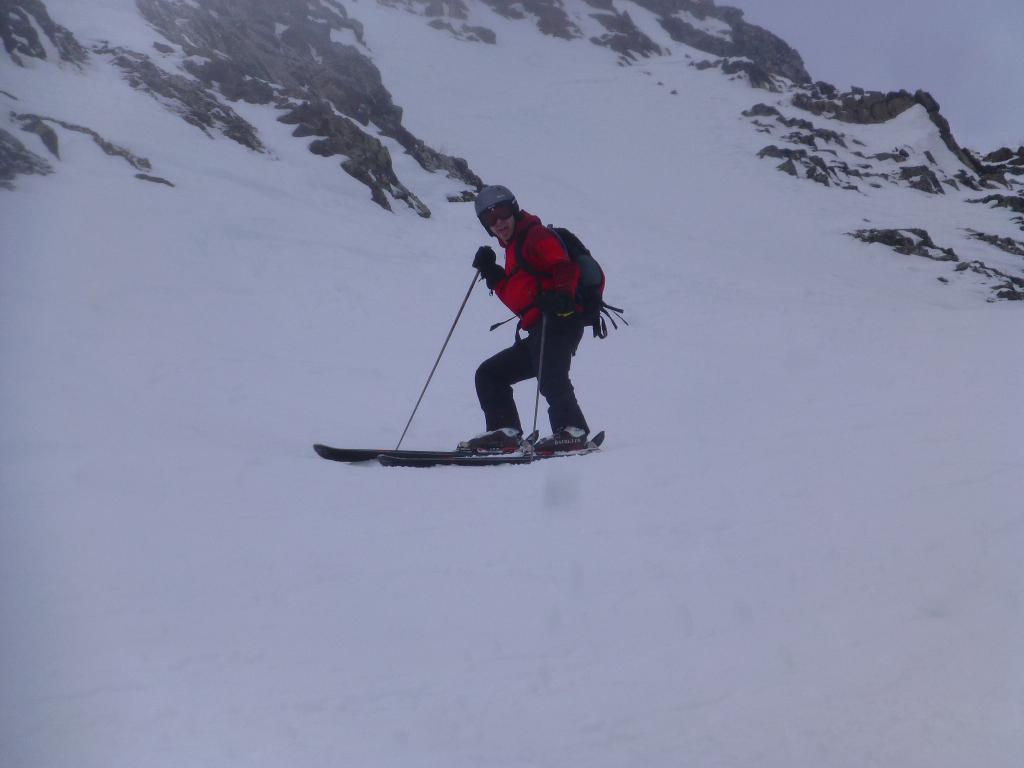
[(590, 289)]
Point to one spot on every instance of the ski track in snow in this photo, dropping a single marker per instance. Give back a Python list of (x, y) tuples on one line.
[(800, 545)]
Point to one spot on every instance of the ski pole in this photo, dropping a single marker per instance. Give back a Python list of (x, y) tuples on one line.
[(540, 366), (476, 276)]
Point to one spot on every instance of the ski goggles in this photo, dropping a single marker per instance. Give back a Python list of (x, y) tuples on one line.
[(495, 213)]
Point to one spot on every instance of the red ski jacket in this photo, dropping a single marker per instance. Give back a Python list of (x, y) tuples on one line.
[(545, 258)]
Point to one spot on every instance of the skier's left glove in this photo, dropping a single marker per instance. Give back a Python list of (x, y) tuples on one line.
[(485, 259), (485, 262), (555, 304)]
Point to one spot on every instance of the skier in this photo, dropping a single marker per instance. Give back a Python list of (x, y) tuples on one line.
[(538, 283)]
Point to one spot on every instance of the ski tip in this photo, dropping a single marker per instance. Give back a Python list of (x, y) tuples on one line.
[(597, 439), (320, 449)]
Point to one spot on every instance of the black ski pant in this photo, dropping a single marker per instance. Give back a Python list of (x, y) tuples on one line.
[(497, 374)]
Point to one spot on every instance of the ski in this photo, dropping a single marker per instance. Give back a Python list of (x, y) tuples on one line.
[(455, 459), (355, 455), (483, 460)]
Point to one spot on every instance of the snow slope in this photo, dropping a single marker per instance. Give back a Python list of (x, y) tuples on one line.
[(800, 546)]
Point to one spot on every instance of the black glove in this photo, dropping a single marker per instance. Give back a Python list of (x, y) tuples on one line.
[(555, 303), (486, 263), (485, 260)]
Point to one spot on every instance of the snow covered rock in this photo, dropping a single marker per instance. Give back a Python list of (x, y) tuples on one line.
[(305, 57), (16, 159), (20, 24), (194, 103), (917, 242)]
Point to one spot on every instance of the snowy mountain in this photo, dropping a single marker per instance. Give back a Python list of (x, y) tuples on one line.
[(233, 229)]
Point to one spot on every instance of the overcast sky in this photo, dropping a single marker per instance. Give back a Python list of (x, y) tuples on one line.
[(969, 55)]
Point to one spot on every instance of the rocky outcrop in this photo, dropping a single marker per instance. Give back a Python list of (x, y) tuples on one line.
[(917, 242), (756, 74), (1003, 164), (922, 178), (16, 159), (1005, 244), (718, 30), (1014, 203), (855, 106), (305, 58), (549, 15), (693, 23), (801, 164), (366, 158), (195, 104), (1004, 286), (849, 160), (624, 37), (910, 242), (19, 22), (867, 107), (37, 124), (466, 32)]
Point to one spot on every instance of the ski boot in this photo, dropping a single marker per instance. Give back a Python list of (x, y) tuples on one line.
[(504, 440), (565, 440)]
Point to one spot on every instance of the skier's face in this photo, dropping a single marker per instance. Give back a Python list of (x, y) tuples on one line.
[(503, 227)]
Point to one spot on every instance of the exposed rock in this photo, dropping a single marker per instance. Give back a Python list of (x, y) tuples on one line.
[(184, 96), (1006, 244), (807, 133), (772, 54), (1004, 162), (550, 15), (757, 75), (1007, 286), (232, 82), (964, 178), (762, 110), (867, 107), (481, 34), (765, 49), (922, 178), (917, 242), (19, 20), (290, 53), (718, 30), (857, 106), (32, 124), (136, 162), (624, 37), (466, 32), (929, 103), (154, 179), (913, 167), (366, 158), (1000, 155), (1013, 203), (16, 159), (910, 242), (799, 163)]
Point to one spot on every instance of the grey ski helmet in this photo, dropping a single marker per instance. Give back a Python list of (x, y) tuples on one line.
[(491, 196)]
